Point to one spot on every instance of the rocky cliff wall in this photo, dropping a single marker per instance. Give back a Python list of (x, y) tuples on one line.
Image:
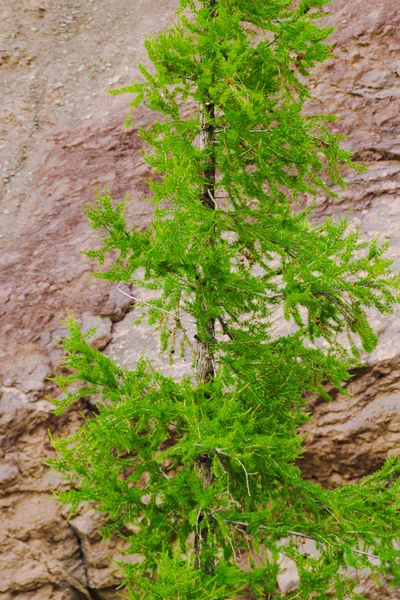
[(61, 136)]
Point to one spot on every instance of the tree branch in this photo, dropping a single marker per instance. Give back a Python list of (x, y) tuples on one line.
[(299, 534)]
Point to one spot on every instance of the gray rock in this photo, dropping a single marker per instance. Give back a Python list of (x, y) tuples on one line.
[(102, 333)]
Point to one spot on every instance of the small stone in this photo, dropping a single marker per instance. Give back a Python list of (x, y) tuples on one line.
[(102, 335), (114, 80), (288, 579), (8, 473)]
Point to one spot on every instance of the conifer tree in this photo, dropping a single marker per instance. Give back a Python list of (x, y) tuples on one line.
[(199, 475)]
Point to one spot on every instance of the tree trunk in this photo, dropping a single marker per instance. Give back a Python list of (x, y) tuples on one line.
[(204, 358)]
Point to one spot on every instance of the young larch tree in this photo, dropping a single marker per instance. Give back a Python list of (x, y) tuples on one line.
[(199, 475)]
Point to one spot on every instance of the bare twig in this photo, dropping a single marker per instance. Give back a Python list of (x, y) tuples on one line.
[(225, 329), (302, 535), (167, 312), (219, 451), (281, 20)]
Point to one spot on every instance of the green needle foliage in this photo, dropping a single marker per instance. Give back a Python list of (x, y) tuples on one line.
[(199, 475)]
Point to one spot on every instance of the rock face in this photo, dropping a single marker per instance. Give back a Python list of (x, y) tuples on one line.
[(61, 137), (351, 437)]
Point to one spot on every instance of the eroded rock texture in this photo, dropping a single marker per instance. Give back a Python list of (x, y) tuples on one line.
[(61, 136), (352, 436)]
